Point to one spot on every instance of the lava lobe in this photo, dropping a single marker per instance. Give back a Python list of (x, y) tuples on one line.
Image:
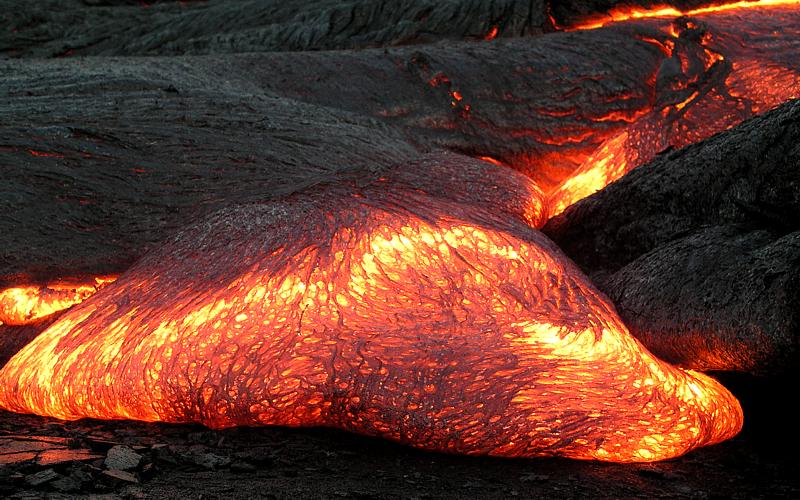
[(381, 308)]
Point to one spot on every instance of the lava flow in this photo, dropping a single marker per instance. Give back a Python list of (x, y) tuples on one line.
[(620, 14), (371, 310), (720, 69), (26, 304), (434, 317)]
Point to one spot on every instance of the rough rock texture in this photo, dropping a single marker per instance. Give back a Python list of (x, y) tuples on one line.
[(700, 249), (517, 100), (50, 28), (73, 27), (104, 157), (105, 178)]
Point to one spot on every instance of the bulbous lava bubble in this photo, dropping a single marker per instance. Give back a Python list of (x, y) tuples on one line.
[(379, 309)]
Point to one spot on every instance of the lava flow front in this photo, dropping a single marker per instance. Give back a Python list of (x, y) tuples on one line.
[(433, 316), (371, 310)]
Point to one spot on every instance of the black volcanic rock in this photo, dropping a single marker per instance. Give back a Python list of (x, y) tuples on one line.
[(49, 28), (700, 249), (70, 27)]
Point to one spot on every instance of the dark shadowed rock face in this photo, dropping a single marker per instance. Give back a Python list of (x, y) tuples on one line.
[(700, 249)]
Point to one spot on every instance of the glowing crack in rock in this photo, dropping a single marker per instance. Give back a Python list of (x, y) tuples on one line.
[(607, 164), (379, 310)]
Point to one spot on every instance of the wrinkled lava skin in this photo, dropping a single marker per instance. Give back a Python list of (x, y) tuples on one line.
[(382, 310)]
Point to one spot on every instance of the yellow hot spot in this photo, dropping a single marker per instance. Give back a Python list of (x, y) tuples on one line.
[(488, 339), (23, 305)]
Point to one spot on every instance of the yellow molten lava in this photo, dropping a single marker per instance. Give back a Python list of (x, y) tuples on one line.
[(463, 333), (632, 13), (26, 304), (604, 166)]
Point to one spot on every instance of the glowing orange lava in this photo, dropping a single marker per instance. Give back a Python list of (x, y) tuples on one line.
[(620, 14), (385, 312), (713, 81), (26, 304), (435, 317), (607, 164)]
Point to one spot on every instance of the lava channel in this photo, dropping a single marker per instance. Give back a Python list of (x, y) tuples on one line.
[(381, 310)]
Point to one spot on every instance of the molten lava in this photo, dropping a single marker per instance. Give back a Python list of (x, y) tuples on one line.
[(432, 315), (620, 14), (712, 78), (381, 310), (26, 304)]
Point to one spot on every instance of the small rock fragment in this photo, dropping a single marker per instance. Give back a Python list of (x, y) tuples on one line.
[(148, 469), (534, 478), (122, 458), (120, 475), (163, 453), (258, 455), (66, 484), (209, 460), (42, 477)]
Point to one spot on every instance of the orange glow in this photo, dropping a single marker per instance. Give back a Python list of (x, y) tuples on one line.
[(26, 304), (631, 13), (492, 34), (44, 154), (491, 160), (748, 78), (607, 164), (391, 314), (717, 81)]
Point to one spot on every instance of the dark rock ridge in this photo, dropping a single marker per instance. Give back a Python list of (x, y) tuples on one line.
[(57, 27), (49, 28)]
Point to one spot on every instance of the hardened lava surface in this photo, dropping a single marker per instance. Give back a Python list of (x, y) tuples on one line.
[(381, 310)]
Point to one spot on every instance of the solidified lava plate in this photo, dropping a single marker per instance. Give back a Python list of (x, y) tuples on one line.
[(382, 310)]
